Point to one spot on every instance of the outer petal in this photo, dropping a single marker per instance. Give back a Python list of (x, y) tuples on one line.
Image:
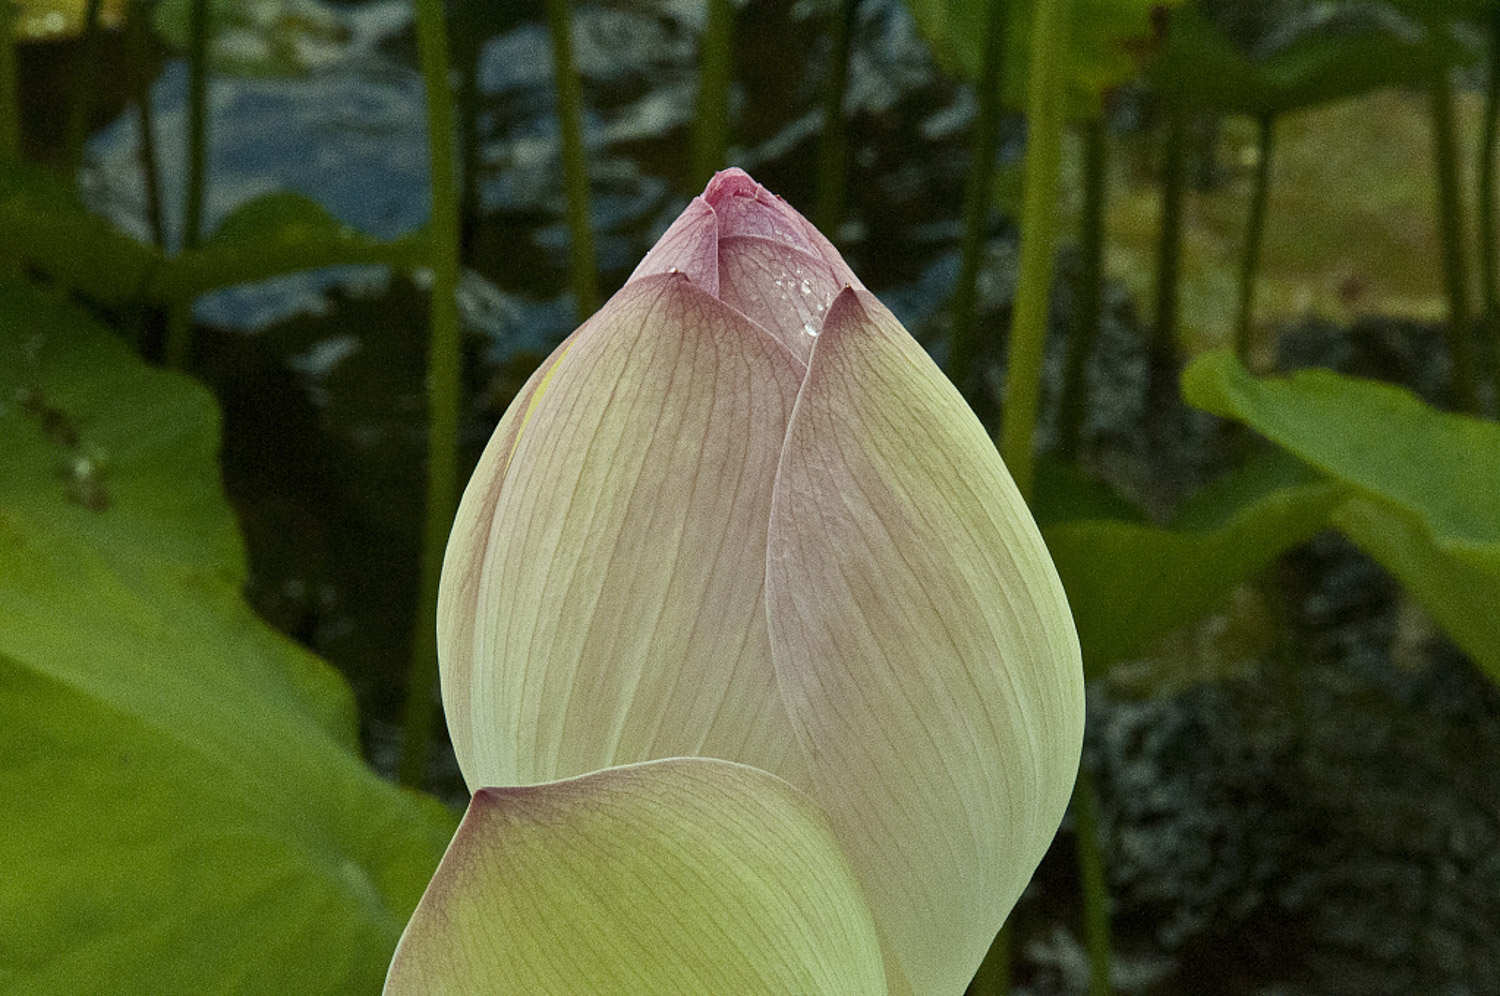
[(678, 876), (922, 642), (468, 551), (620, 603)]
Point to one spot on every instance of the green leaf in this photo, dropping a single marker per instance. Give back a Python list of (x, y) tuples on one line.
[(1461, 598), (1129, 583), (47, 227), (1064, 493), (686, 875), (275, 234), (1430, 480), (186, 811), (1107, 41), (1201, 67)]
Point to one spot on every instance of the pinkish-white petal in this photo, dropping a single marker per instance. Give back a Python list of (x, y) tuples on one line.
[(744, 207), (922, 643), (784, 289), (690, 245), (619, 614)]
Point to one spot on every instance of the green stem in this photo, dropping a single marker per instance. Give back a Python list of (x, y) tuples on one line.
[(993, 977), (1489, 251), (1045, 120), (1169, 250), (443, 387), (1490, 272), (710, 139), (982, 148), (197, 150), (584, 273), (833, 147), (1095, 888), (179, 347), (1255, 230), (139, 42), (1450, 221), (1091, 286), (468, 50), (178, 352), (83, 82), (10, 97)]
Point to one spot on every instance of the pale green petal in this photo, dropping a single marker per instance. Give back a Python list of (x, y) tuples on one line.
[(619, 587), (922, 643), (688, 876)]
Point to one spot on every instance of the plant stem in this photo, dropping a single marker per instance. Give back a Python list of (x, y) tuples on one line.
[(834, 145), (1450, 221), (197, 172), (710, 138), (1091, 286), (1045, 119), (467, 51), (993, 977), (139, 42), (1095, 888), (179, 348), (10, 97), (1255, 230), (582, 268), (982, 148), (1489, 253), (443, 386), (85, 60), (1168, 255)]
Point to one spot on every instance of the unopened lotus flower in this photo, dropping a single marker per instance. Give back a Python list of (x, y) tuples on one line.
[(740, 519)]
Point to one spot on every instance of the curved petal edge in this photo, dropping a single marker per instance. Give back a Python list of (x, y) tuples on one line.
[(685, 875)]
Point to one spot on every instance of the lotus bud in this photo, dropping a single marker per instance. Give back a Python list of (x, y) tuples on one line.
[(739, 514)]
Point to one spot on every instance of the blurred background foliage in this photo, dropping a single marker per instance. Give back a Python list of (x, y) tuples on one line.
[(1268, 470)]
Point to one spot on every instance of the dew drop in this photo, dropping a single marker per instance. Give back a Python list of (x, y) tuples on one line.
[(807, 327)]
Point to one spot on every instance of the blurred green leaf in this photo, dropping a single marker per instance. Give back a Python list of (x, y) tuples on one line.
[(1064, 493), (1429, 481), (1201, 67), (1462, 598), (1107, 42), (1131, 583), (274, 234), (185, 807), (47, 227)]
